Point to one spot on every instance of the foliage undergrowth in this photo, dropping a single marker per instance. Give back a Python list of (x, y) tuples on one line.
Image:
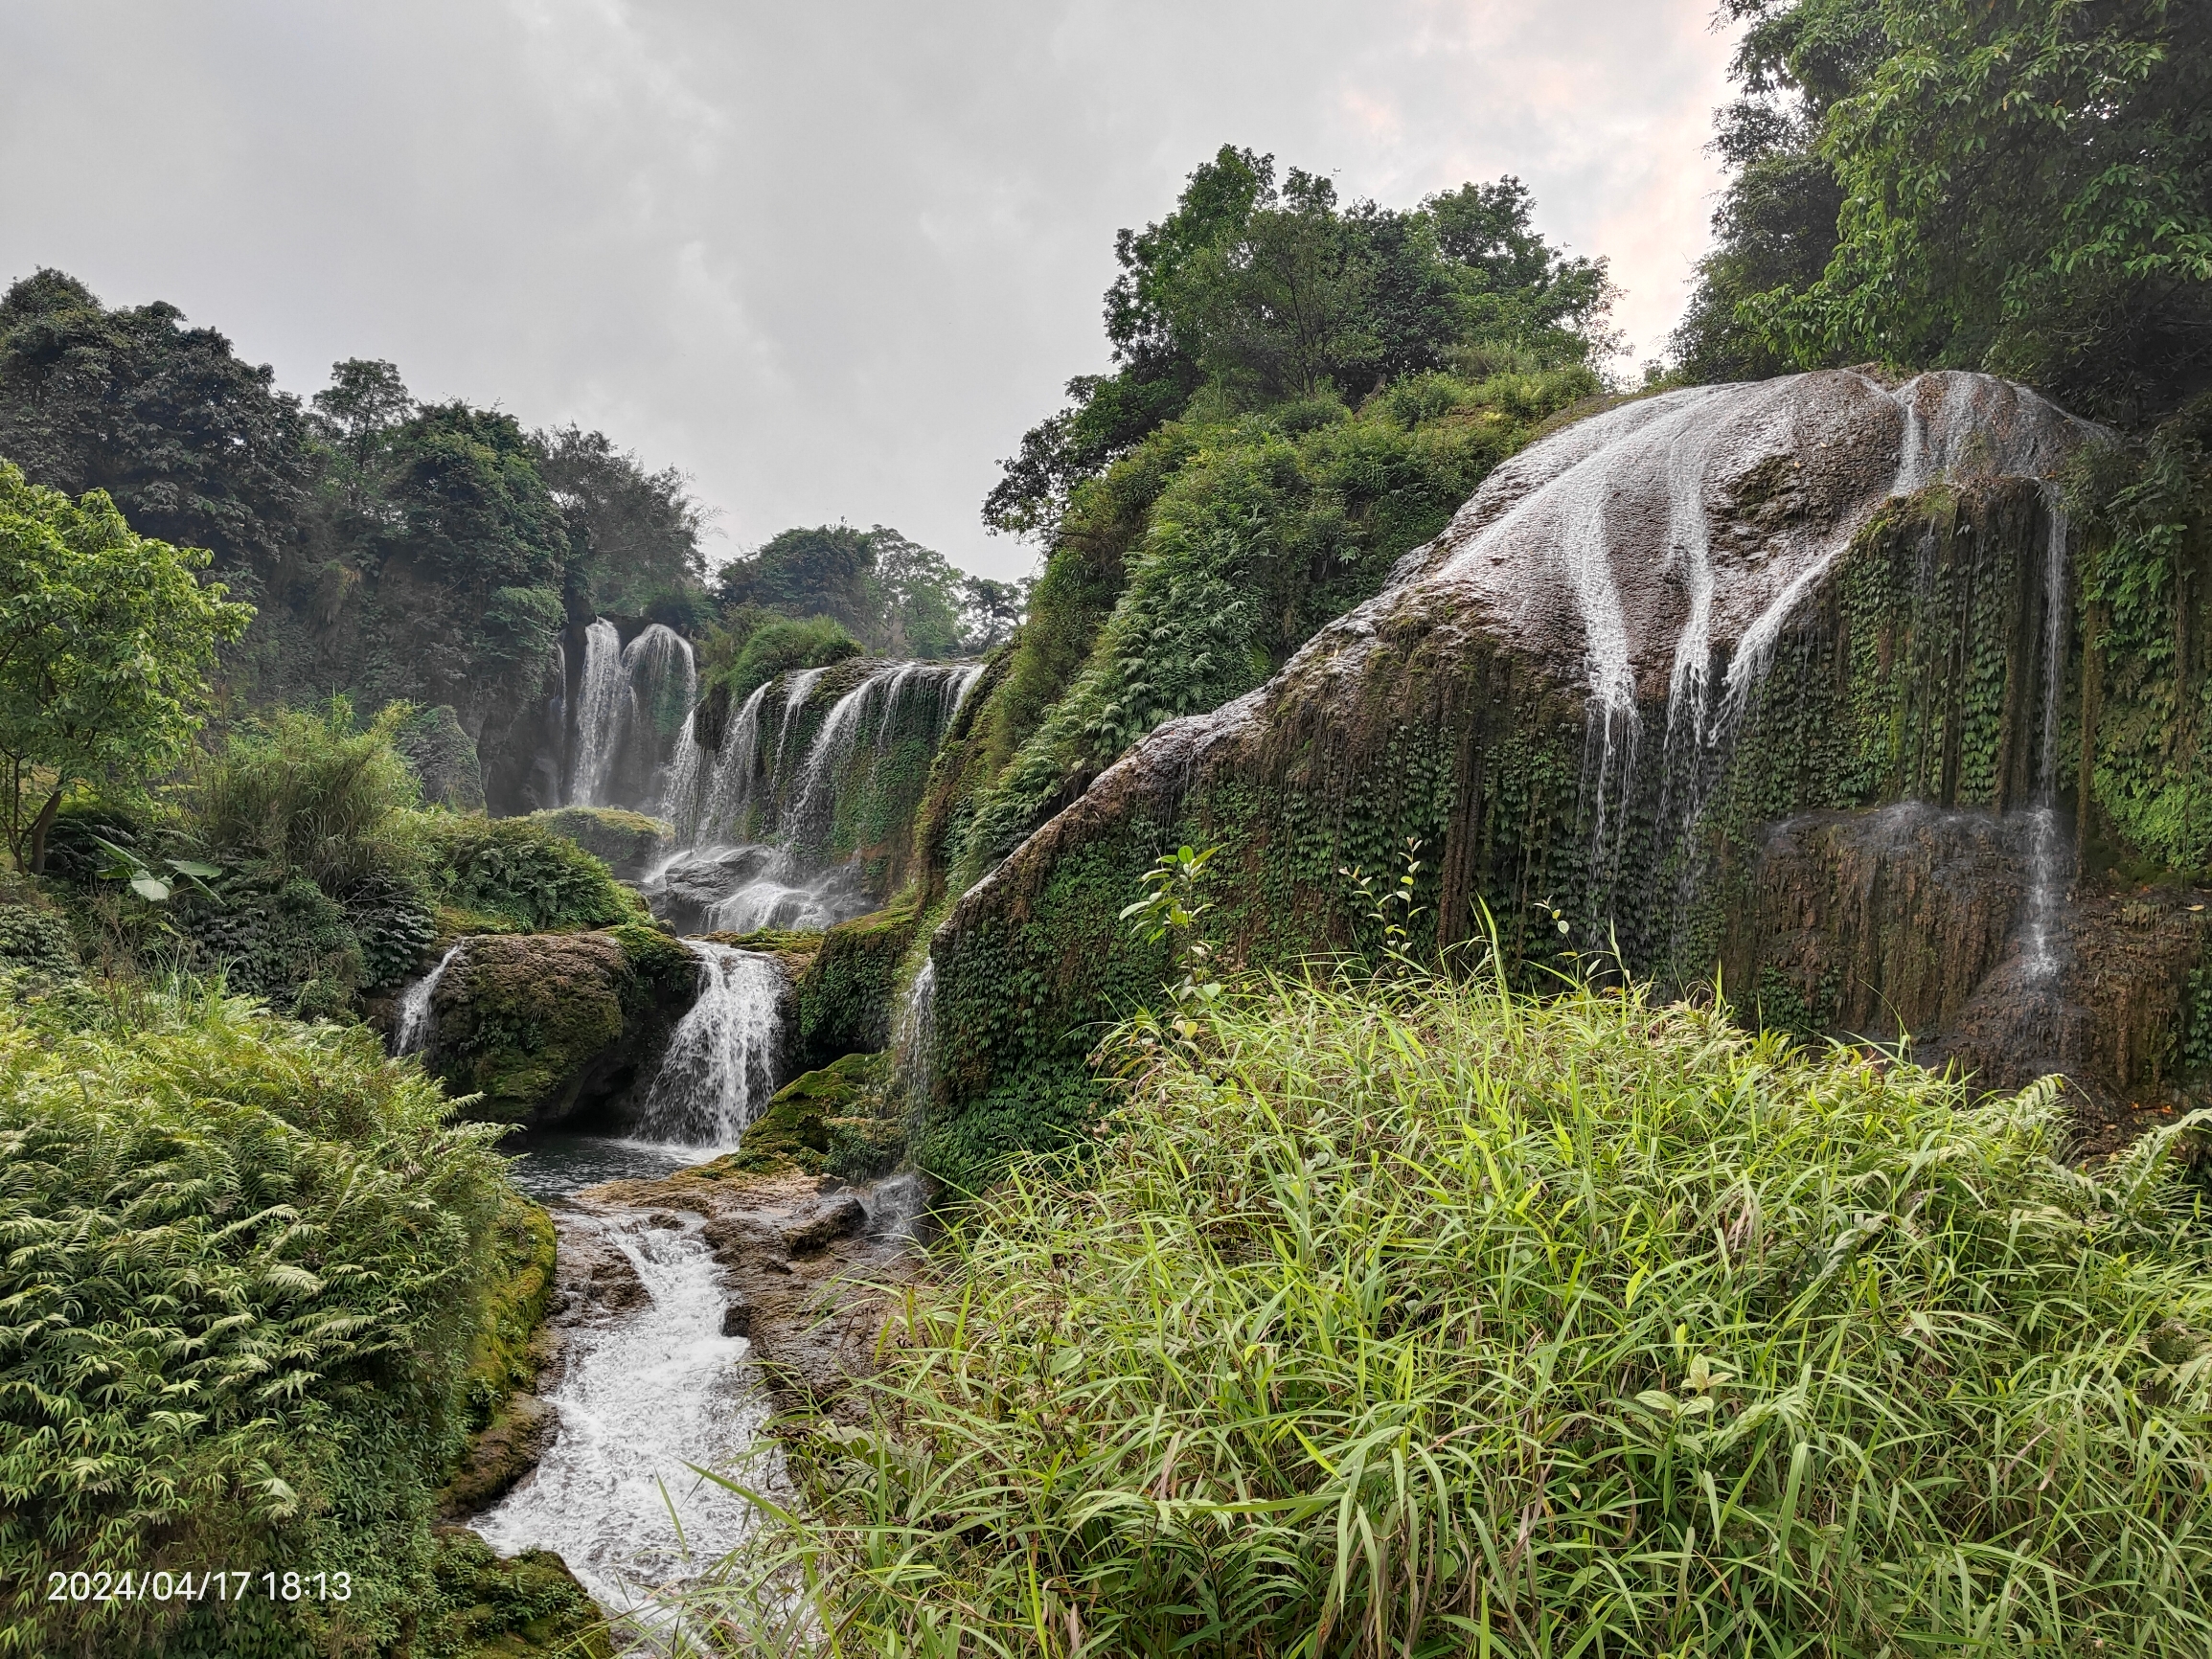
[(1422, 1318), (246, 1263)]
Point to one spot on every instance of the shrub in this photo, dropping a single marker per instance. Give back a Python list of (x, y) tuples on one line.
[(1427, 1319), (243, 1271), (780, 645), (519, 871), (311, 793)]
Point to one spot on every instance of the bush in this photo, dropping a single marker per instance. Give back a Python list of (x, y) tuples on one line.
[(519, 871), (309, 792), (1428, 1319), (243, 1273), (780, 646)]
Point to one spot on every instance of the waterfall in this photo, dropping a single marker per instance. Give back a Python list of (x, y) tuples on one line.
[(660, 683), (721, 1066), (914, 1040), (2045, 854), (599, 710), (759, 819), (412, 1031)]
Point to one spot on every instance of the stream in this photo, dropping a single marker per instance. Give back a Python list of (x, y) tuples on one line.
[(644, 1393)]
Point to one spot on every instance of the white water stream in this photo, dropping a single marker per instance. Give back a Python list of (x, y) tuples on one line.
[(644, 1396), (412, 1030)]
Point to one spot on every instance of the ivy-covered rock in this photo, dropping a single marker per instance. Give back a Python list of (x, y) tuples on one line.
[(35, 940), (628, 843), (517, 873), (548, 1026)]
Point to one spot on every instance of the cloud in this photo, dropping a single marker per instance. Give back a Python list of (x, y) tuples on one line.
[(830, 260)]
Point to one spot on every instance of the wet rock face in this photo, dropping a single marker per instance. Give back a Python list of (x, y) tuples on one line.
[(1648, 639), (1880, 923)]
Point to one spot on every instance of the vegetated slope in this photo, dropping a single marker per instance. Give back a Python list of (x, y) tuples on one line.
[(248, 1262), (1195, 566), (1419, 1316), (1304, 391)]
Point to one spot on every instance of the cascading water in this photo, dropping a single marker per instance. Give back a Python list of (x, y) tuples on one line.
[(598, 708), (721, 1066), (758, 815), (643, 1398), (411, 1032), (1565, 533), (2045, 853)]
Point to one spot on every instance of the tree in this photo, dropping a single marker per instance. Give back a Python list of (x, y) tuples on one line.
[(194, 446), (802, 573), (358, 414), (105, 637), (917, 597), (633, 535), (2027, 187), (1264, 292), (992, 610), (2023, 186)]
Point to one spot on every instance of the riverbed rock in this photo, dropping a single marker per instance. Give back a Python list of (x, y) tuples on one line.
[(547, 1027), (1647, 640), (811, 1279)]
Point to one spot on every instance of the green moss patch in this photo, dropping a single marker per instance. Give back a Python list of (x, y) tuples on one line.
[(847, 992)]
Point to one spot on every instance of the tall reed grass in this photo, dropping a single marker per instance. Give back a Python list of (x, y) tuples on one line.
[(1424, 1319)]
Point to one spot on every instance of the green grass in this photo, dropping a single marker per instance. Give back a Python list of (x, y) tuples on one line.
[(1421, 1319)]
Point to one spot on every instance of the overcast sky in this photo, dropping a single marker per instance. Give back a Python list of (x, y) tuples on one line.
[(829, 256)]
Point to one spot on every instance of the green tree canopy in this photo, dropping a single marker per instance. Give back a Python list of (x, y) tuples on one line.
[(105, 639), (2023, 186), (1264, 292), (888, 591), (195, 447), (633, 535)]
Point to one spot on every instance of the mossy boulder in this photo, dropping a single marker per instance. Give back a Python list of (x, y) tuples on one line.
[(489, 1606), (817, 1119), (847, 992), (545, 1028), (628, 843), (1645, 640)]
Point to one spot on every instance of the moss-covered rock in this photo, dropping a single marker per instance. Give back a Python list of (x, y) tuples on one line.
[(546, 1027), (808, 1120), (628, 843), (442, 759), (1524, 720), (847, 989), (491, 1606)]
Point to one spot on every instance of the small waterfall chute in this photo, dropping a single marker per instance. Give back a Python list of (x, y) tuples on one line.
[(720, 1065), (412, 1031), (598, 711)]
